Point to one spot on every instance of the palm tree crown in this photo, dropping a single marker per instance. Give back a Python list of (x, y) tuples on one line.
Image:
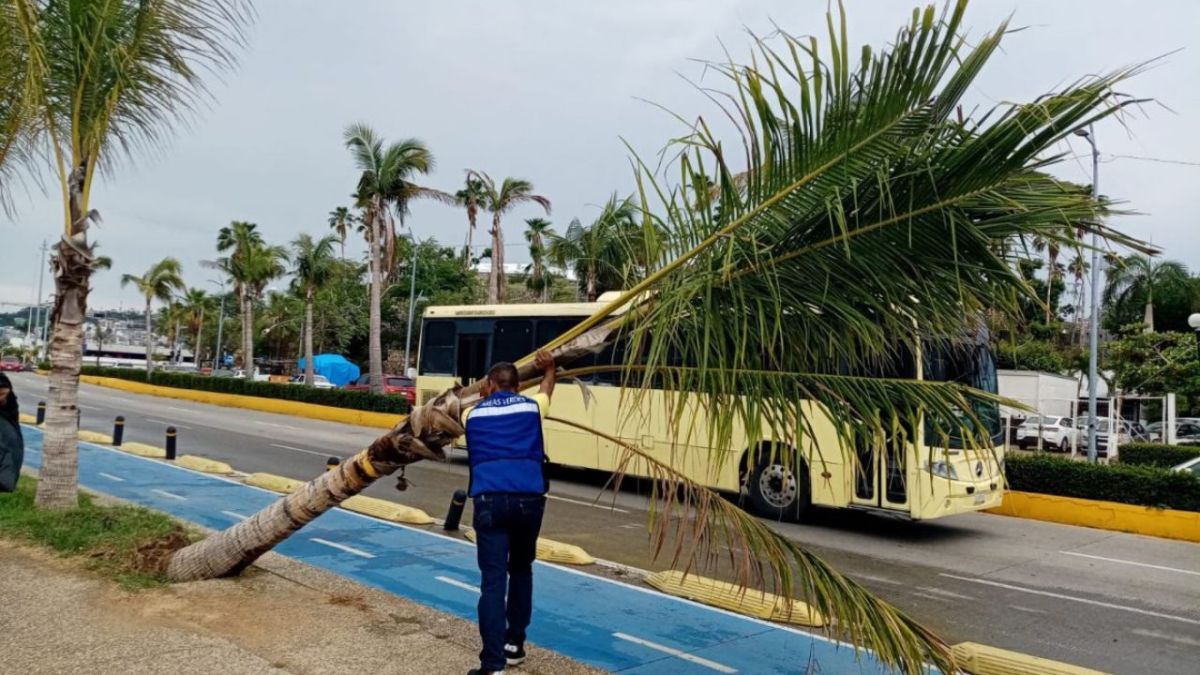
[(537, 231), (470, 197), (604, 253), (499, 199), (159, 282), (1137, 277), (340, 220)]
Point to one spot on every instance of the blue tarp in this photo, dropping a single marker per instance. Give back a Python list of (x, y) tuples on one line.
[(334, 367)]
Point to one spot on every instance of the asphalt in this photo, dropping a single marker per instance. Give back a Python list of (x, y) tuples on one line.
[(1116, 602)]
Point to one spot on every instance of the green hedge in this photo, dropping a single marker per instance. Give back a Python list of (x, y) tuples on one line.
[(1140, 485), (1158, 454), (338, 398)]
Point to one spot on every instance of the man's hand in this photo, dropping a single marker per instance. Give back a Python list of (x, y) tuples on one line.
[(545, 362)]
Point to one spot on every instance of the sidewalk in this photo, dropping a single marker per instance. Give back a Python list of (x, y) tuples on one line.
[(282, 617)]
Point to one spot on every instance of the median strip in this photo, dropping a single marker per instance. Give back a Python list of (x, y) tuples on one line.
[(979, 659), (549, 550), (736, 598)]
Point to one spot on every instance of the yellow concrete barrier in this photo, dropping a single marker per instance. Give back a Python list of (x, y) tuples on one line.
[(385, 510), (94, 437), (552, 551), (980, 659), (1167, 523), (28, 419), (360, 418), (142, 449), (735, 598), (274, 483), (203, 464)]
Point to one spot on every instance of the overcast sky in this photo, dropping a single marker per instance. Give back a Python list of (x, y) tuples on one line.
[(546, 90)]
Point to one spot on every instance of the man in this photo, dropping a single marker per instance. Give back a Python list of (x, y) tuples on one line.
[(508, 489)]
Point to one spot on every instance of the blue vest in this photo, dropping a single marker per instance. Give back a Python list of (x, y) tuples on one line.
[(505, 447)]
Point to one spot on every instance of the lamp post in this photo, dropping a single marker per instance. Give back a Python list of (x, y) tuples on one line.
[(412, 301), (1089, 135), (220, 323), (1194, 322)]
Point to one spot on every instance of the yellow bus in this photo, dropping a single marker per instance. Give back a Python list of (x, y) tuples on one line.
[(459, 343)]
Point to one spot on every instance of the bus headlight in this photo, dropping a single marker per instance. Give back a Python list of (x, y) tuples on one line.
[(942, 469)]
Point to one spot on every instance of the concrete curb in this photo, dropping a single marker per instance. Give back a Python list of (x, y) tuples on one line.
[(549, 550), (734, 598), (980, 659), (143, 450), (385, 510), (1165, 523), (269, 481), (94, 437), (360, 418)]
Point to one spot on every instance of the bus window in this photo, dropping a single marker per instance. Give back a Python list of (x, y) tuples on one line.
[(437, 348), (548, 329), (973, 366), (512, 339)]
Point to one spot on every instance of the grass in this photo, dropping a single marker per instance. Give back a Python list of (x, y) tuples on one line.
[(128, 544)]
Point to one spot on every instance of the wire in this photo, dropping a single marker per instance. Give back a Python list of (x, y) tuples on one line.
[(1156, 160)]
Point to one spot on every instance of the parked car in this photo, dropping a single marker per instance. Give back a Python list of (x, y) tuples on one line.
[(1125, 434), (1191, 466), (1187, 431), (393, 385), (1057, 433), (11, 364), (319, 381)]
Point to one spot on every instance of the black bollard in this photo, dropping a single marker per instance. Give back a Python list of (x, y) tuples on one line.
[(171, 443), (454, 515), (118, 431), (331, 463), (41, 413)]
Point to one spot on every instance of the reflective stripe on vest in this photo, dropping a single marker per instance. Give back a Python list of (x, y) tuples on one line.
[(505, 447)]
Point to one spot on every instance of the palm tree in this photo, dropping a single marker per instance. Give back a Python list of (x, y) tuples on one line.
[(499, 200), (312, 267), (384, 190), (1078, 268), (866, 215), (341, 219), (160, 282), (238, 239), (81, 84), (470, 198), (603, 252), (193, 304), (538, 230), (1137, 277)]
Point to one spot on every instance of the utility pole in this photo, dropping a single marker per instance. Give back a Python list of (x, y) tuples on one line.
[(1094, 324), (412, 301), (220, 325), (38, 317)]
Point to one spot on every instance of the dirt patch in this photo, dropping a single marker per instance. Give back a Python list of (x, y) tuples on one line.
[(349, 600), (148, 557)]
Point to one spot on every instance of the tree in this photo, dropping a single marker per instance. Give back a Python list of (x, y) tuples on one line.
[(499, 200), (867, 214), (1137, 281), (341, 220), (604, 252), (1078, 269), (194, 303), (1155, 364), (384, 190), (96, 80), (470, 197), (312, 268), (251, 265), (537, 231), (160, 282)]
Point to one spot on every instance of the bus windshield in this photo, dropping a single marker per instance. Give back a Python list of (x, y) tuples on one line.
[(970, 365)]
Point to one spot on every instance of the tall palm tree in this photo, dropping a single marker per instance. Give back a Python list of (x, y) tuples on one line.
[(96, 80), (1138, 276), (866, 215), (238, 239), (1078, 269), (470, 197), (160, 282), (604, 251), (499, 199), (194, 303), (312, 268), (537, 232), (384, 192), (341, 220)]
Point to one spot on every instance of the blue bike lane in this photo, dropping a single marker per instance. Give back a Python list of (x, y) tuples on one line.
[(601, 622)]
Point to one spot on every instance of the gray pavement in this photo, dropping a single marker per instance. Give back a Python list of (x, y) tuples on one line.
[(1111, 601)]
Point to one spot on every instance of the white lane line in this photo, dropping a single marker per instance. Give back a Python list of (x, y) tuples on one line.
[(272, 424), (112, 477), (1180, 639), (1131, 562), (235, 515), (343, 547), (944, 593), (86, 407), (1061, 596), (177, 408), (172, 495), (1027, 610), (460, 584), (719, 667), (311, 452), (170, 424), (929, 596), (882, 580), (594, 505)]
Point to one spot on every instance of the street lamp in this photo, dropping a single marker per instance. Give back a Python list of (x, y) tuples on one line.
[(412, 300), (1089, 135), (220, 322), (1194, 322)]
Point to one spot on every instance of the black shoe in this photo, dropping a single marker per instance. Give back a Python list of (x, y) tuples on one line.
[(514, 655), (481, 671)]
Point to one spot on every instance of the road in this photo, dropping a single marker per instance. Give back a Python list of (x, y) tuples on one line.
[(1116, 602)]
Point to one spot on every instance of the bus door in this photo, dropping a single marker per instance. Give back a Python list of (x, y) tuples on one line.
[(882, 468), (473, 346)]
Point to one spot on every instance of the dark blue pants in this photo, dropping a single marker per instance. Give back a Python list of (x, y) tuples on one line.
[(506, 532)]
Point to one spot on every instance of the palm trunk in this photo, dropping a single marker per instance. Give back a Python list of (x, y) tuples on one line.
[(498, 260), (374, 346), (308, 339), (197, 347), (469, 253), (591, 284), (149, 340), (422, 435), (248, 336)]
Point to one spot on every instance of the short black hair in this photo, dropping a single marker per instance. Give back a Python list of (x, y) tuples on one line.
[(504, 375)]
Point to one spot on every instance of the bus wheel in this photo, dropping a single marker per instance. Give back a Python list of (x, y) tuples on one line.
[(776, 491)]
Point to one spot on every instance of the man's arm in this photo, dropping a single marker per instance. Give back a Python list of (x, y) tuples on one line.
[(544, 361)]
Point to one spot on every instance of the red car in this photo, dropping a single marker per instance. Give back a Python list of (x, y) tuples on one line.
[(11, 364), (393, 385)]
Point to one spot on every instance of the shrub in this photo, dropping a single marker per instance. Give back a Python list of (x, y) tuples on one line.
[(1157, 454), (338, 398), (1140, 485)]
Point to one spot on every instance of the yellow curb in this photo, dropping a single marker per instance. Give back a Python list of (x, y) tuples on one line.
[(28, 419), (735, 598), (94, 437), (360, 418), (203, 464), (142, 449), (1147, 520), (984, 660), (272, 482), (552, 551), (385, 510)]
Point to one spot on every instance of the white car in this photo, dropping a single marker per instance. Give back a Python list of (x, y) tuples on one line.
[(1191, 466), (1057, 433), (319, 381)]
